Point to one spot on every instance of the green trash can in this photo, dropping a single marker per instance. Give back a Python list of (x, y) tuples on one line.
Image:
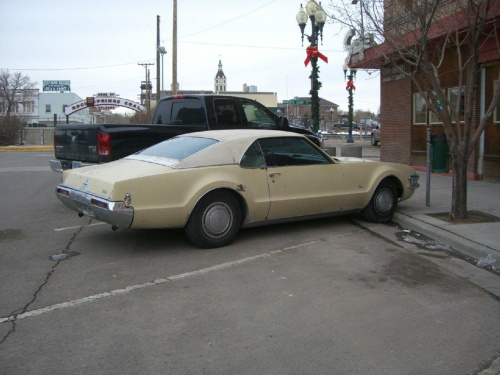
[(440, 153)]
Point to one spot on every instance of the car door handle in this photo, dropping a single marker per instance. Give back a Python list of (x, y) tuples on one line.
[(272, 175)]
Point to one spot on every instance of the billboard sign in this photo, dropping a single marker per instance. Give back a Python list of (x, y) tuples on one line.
[(57, 86)]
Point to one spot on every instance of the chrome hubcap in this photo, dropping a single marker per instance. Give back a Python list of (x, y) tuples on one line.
[(384, 201), (217, 219)]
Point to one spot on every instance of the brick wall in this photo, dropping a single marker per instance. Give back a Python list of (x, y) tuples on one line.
[(395, 120)]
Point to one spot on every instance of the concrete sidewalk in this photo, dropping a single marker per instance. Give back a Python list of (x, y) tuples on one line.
[(479, 241)]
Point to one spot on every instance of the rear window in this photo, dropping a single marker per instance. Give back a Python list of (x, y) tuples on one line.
[(188, 111), (178, 148)]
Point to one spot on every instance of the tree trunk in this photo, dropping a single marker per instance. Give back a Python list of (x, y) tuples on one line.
[(459, 189)]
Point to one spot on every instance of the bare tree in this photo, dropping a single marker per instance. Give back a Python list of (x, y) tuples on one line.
[(15, 91), (414, 38)]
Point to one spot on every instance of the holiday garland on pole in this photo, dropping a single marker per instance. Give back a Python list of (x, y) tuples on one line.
[(312, 56)]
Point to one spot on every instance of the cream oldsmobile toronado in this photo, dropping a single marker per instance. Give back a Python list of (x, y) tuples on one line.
[(213, 183)]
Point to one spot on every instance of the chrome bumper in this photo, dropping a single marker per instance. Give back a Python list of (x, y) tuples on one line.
[(61, 165), (115, 213)]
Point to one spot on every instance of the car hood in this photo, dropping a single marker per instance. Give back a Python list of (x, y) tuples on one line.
[(101, 180)]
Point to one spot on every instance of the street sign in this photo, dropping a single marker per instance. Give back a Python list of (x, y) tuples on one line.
[(298, 102)]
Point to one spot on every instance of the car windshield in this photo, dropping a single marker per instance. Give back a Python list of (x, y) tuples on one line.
[(178, 148)]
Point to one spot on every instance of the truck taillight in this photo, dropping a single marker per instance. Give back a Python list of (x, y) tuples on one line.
[(103, 144)]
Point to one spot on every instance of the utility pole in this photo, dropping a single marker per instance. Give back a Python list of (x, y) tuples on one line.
[(157, 59), (147, 86), (174, 51)]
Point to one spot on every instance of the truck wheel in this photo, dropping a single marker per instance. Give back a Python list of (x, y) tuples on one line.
[(374, 141), (383, 203), (215, 220)]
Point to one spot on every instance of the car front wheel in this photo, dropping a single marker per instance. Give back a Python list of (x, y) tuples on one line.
[(215, 220), (383, 203)]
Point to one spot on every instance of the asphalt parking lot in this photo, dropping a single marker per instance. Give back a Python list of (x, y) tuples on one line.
[(335, 296)]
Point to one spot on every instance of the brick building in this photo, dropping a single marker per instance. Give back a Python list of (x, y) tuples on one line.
[(405, 114), (301, 113)]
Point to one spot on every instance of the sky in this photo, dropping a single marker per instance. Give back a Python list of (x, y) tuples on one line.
[(97, 45)]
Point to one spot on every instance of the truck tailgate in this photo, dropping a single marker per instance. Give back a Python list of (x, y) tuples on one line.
[(72, 143)]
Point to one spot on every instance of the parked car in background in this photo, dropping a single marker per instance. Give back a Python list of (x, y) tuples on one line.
[(345, 127), (375, 135), (212, 183)]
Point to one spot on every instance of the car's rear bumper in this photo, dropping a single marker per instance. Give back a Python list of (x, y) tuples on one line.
[(118, 214)]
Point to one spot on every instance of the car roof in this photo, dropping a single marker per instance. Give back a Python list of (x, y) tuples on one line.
[(230, 149), (240, 134)]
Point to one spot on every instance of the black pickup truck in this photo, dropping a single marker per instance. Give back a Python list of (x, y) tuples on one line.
[(79, 145)]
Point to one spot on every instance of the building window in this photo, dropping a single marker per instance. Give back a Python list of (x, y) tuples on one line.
[(453, 95), (433, 117), (419, 109), (47, 108), (29, 107)]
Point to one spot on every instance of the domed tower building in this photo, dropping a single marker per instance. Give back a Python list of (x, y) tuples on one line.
[(220, 80)]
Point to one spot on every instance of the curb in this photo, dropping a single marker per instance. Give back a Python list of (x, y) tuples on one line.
[(459, 244), (26, 148)]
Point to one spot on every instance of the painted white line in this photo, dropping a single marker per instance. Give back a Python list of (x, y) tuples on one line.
[(129, 289), (25, 169), (118, 292), (77, 227)]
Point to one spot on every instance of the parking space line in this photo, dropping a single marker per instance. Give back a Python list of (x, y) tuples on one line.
[(123, 291)]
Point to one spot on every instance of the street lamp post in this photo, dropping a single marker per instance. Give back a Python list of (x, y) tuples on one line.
[(162, 51), (331, 116), (318, 17), (350, 87)]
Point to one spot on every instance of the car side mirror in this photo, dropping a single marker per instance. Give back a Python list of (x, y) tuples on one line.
[(282, 123)]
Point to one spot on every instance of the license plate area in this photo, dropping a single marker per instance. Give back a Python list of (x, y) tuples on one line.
[(86, 210)]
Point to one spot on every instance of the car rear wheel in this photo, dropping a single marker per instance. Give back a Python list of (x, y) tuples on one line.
[(383, 203), (374, 141), (215, 220)]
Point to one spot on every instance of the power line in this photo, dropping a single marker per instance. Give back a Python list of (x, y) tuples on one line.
[(82, 68), (261, 47)]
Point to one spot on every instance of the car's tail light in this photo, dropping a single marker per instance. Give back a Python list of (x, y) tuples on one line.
[(62, 192), (103, 144), (98, 203)]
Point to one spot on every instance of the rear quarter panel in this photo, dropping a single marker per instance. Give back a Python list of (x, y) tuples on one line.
[(166, 200)]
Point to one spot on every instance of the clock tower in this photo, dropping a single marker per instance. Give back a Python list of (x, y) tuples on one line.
[(220, 80)]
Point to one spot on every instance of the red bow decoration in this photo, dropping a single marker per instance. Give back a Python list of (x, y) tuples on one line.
[(349, 85), (313, 52)]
